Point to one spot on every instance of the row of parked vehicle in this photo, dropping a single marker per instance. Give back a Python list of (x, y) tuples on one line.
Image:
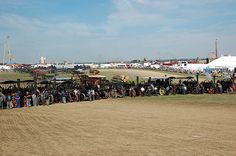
[(95, 89), (182, 85), (158, 86)]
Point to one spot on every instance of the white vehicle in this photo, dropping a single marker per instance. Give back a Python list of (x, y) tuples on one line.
[(105, 66), (146, 64), (155, 66), (120, 65), (4, 67), (136, 65)]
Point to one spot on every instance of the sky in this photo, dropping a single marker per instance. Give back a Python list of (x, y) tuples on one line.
[(116, 30)]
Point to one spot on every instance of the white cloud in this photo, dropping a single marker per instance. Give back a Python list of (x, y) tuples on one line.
[(32, 38), (163, 14), (126, 14), (174, 38), (19, 23)]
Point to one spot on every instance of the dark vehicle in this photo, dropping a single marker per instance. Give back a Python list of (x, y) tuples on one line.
[(192, 85), (211, 88), (117, 90), (228, 86), (147, 89), (162, 86)]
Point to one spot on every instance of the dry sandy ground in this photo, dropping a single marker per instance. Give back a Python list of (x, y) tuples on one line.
[(132, 73), (139, 126)]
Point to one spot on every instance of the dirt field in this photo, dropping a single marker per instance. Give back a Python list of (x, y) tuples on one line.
[(109, 73), (132, 73), (174, 125)]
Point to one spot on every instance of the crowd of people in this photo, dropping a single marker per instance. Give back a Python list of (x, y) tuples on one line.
[(12, 97)]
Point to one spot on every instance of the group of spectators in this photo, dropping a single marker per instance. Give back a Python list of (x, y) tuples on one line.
[(13, 97)]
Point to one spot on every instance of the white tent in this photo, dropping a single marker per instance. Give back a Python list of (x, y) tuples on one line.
[(228, 62)]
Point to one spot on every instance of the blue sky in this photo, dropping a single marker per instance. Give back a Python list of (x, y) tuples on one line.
[(112, 30)]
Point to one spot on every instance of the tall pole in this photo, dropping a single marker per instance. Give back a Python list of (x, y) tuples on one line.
[(4, 52), (216, 50), (9, 50)]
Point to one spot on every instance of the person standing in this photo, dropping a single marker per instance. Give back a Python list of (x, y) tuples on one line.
[(46, 95), (34, 99), (18, 100), (2, 99), (37, 97), (42, 98), (9, 101), (75, 95), (68, 96), (78, 95), (24, 100), (183, 87), (28, 99), (89, 95), (92, 94), (14, 100), (63, 95)]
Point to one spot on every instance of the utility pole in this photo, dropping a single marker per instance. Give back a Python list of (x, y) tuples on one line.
[(216, 50)]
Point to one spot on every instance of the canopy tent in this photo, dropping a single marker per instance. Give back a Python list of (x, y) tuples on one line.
[(228, 62)]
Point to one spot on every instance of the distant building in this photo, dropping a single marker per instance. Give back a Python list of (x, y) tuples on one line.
[(42, 60), (211, 56)]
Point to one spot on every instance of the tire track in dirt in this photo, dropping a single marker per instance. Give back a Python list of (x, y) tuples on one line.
[(13, 133), (37, 122), (66, 127), (50, 124), (10, 129), (74, 131), (29, 131), (13, 128), (2, 131), (119, 127)]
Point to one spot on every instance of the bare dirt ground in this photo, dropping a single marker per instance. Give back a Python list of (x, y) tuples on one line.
[(174, 125), (132, 73)]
